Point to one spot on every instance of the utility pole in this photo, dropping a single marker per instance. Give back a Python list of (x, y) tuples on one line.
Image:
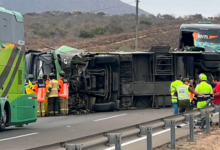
[(137, 23)]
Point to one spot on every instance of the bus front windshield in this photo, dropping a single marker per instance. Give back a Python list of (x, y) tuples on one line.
[(209, 40)]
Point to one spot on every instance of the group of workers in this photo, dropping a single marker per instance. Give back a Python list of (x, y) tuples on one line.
[(52, 95), (185, 96)]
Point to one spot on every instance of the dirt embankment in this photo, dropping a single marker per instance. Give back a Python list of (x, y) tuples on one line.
[(202, 141)]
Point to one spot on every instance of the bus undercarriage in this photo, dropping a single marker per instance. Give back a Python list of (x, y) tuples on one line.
[(124, 80)]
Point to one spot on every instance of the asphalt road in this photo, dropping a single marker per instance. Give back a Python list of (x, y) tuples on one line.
[(52, 130)]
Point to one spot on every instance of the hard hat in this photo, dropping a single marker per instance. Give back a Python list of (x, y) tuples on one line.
[(62, 72), (203, 77), (30, 76), (40, 77), (200, 75), (52, 75)]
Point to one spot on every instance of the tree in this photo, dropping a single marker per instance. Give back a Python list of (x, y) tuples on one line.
[(168, 17), (197, 16), (101, 13)]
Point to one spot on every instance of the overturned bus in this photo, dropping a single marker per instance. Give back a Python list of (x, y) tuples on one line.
[(127, 80)]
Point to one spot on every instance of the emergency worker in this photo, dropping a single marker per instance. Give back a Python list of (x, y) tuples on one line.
[(173, 88), (52, 94), (63, 93), (183, 95), (30, 87), (191, 81), (40, 88), (47, 82), (205, 89)]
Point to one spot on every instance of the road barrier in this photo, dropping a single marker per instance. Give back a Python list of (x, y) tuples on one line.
[(147, 128)]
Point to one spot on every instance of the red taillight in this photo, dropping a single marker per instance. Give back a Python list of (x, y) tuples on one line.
[(15, 45), (32, 97), (7, 96)]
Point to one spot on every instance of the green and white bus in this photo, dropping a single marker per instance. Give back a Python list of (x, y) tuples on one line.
[(16, 107)]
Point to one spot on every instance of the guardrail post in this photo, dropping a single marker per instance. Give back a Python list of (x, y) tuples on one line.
[(191, 127), (207, 122), (115, 138), (73, 147), (144, 130), (190, 118), (171, 124), (217, 109)]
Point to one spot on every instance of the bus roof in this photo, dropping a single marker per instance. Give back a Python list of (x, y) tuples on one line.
[(18, 16), (200, 26)]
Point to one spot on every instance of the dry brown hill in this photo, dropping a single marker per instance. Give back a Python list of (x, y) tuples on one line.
[(57, 29)]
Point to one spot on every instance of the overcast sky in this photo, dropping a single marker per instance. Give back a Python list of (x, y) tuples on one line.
[(180, 7)]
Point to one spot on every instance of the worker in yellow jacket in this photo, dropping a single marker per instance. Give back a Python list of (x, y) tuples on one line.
[(30, 87), (52, 94)]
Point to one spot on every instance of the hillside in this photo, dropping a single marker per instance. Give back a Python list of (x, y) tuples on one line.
[(97, 32), (110, 7)]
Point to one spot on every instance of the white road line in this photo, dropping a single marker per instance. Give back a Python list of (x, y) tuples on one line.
[(110, 117), (18, 137), (142, 138)]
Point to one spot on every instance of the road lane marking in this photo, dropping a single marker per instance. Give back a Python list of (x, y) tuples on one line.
[(110, 117), (142, 138), (18, 137)]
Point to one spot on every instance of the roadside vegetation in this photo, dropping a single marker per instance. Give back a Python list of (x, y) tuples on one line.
[(99, 32)]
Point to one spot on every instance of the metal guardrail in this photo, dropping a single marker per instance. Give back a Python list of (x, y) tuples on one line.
[(147, 128)]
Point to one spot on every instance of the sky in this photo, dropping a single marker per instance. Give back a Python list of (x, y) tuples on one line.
[(207, 8)]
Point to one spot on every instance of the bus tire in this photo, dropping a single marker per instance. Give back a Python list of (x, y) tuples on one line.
[(102, 107), (3, 121)]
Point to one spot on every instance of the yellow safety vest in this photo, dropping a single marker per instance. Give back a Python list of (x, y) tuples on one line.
[(28, 89), (173, 88), (183, 92)]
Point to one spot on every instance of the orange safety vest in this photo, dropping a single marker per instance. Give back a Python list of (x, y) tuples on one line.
[(47, 84), (40, 89), (191, 95), (64, 88)]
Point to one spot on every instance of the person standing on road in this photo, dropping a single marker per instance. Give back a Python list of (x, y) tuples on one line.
[(47, 82), (173, 88), (216, 91), (205, 89), (183, 95), (30, 87), (40, 91), (63, 94), (52, 94), (192, 103)]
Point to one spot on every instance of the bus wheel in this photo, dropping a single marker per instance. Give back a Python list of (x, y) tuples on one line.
[(3, 121)]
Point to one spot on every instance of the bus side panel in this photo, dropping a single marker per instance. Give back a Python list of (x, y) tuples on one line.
[(26, 106), (26, 110)]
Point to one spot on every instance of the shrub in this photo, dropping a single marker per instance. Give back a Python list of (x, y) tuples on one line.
[(145, 23), (86, 34), (99, 31)]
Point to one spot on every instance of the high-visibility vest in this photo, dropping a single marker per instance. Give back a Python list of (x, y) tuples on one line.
[(183, 92), (28, 89), (191, 95), (40, 90), (173, 88), (205, 89), (47, 84), (64, 88)]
